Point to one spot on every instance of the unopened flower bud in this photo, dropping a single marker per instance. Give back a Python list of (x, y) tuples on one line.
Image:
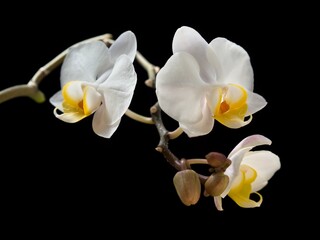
[(188, 186), (216, 184), (218, 160)]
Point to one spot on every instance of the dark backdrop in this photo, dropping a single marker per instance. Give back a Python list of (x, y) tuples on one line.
[(60, 177)]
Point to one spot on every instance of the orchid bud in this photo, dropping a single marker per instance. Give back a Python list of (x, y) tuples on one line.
[(188, 186), (216, 184), (218, 160)]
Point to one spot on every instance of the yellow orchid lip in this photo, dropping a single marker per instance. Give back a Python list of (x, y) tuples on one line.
[(91, 100), (241, 188), (79, 99), (226, 103), (232, 105), (72, 94)]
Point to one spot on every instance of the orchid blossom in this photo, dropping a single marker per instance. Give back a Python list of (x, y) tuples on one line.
[(202, 82), (249, 172), (97, 80)]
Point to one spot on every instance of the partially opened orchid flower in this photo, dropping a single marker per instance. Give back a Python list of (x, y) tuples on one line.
[(97, 80), (249, 172), (201, 82)]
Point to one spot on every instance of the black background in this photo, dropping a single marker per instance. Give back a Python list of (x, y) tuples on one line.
[(60, 179)]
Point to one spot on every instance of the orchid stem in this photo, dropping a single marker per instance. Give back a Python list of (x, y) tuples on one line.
[(138, 117), (150, 68), (197, 161), (176, 133), (54, 63), (163, 147), (31, 89)]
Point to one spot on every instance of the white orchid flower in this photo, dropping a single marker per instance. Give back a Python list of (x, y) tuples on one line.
[(249, 172), (97, 80), (201, 82)]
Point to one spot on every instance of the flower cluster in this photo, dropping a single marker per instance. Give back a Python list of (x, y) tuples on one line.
[(199, 84)]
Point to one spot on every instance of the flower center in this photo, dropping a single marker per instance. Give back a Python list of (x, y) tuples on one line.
[(224, 107), (80, 98), (232, 107), (241, 188)]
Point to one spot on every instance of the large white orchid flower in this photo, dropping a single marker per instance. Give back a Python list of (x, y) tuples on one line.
[(97, 80), (249, 172), (201, 82)]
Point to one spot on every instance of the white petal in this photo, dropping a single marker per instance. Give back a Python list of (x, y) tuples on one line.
[(123, 77), (214, 97), (234, 169), (188, 40), (235, 63), (126, 44), (117, 93), (180, 90), (85, 62), (101, 128), (56, 100), (255, 103), (250, 142), (218, 203), (204, 126), (265, 163)]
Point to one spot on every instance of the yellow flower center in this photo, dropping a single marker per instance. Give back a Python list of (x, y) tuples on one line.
[(224, 107), (241, 188), (80, 99), (232, 107)]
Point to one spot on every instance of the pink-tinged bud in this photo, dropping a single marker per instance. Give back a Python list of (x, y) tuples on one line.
[(188, 186), (216, 184)]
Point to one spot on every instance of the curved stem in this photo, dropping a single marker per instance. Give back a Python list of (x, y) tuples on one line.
[(31, 89), (189, 162), (54, 63), (162, 147), (23, 90), (197, 161), (138, 117), (176, 133), (150, 68)]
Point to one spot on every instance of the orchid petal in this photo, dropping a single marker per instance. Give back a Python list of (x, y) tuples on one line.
[(188, 40), (85, 62), (117, 93), (218, 202), (255, 103), (180, 90), (100, 127), (202, 127), (56, 100), (214, 97), (91, 100), (265, 163), (234, 169), (234, 61), (70, 117), (126, 44), (250, 142)]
